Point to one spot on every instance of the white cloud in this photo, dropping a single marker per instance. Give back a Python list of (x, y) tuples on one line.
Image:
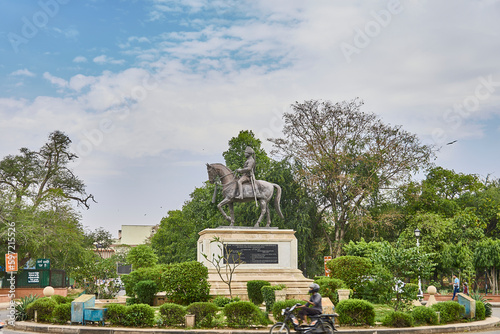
[(80, 59), (23, 72), (103, 59), (55, 80), (70, 33), (195, 89)]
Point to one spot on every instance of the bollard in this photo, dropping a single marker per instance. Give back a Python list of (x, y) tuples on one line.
[(189, 320)]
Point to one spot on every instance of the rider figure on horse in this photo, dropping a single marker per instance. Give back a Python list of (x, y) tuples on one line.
[(247, 172)]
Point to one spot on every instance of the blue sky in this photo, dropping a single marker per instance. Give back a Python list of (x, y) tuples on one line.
[(151, 90)]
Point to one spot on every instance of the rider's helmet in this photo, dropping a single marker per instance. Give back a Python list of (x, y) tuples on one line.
[(313, 288)]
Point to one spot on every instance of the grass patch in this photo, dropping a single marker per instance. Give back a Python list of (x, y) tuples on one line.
[(381, 311)]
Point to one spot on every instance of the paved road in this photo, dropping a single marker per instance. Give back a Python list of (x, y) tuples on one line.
[(4, 313)]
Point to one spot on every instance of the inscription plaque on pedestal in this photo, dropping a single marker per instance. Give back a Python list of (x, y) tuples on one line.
[(253, 253)]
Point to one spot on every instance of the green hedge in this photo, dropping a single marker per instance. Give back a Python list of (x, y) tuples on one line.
[(450, 311), (328, 287), (172, 314), (139, 315), (254, 291), (269, 295), (146, 291), (480, 310), (115, 314), (62, 313), (44, 307), (355, 312), (280, 305), (61, 299), (423, 315), (242, 314), (204, 313), (186, 283), (398, 319), (143, 274), (222, 301), (349, 269)]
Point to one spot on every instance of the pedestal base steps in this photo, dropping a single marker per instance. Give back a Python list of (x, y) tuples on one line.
[(268, 254), (296, 284)]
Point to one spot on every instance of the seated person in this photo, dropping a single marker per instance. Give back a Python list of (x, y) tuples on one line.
[(315, 303)]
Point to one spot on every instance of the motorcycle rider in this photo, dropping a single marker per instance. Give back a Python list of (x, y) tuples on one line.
[(315, 303)]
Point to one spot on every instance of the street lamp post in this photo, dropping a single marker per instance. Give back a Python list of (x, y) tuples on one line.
[(417, 235)]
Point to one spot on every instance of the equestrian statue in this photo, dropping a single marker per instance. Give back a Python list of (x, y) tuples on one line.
[(243, 189)]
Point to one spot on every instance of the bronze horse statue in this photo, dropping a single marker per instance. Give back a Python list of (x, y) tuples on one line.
[(263, 192)]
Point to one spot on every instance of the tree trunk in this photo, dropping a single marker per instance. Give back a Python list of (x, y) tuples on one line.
[(339, 236)]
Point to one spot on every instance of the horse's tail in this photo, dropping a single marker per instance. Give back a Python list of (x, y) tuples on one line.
[(277, 200)]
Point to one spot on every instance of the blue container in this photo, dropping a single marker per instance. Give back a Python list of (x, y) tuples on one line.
[(94, 314), (79, 304)]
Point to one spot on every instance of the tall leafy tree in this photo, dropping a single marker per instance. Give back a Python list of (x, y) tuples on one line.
[(142, 256), (487, 257), (439, 192), (346, 156), (37, 192)]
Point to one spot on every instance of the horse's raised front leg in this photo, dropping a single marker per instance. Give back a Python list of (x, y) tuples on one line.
[(263, 209), (220, 205)]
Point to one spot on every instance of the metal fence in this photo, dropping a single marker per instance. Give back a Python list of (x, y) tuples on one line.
[(35, 278)]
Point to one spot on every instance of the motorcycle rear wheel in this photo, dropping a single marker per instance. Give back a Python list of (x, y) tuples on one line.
[(276, 329), (327, 328)]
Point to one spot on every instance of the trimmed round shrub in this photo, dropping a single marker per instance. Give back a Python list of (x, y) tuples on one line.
[(450, 311), (424, 316), (480, 310), (280, 305), (254, 291), (172, 314), (242, 314), (62, 313), (186, 282), (328, 287), (204, 313), (145, 292), (139, 315), (355, 312), (398, 319), (44, 307), (221, 301), (349, 269), (115, 314)]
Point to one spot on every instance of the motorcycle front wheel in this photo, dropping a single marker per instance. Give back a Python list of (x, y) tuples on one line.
[(327, 328), (277, 329)]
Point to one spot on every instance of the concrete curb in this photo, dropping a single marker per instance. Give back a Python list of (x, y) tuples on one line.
[(489, 323)]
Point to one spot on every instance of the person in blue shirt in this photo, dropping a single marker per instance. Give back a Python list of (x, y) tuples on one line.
[(456, 286)]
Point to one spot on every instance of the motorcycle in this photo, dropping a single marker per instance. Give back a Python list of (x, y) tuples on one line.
[(320, 324)]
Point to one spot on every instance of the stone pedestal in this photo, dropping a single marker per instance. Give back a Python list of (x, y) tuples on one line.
[(343, 294), (269, 254), (431, 290)]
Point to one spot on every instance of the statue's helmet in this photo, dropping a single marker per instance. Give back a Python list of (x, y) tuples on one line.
[(249, 150)]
